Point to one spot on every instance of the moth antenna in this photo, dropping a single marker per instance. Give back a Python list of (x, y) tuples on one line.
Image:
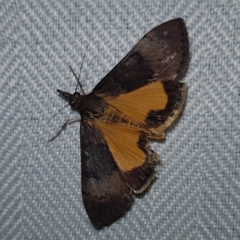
[(57, 113), (78, 82), (64, 126), (78, 78)]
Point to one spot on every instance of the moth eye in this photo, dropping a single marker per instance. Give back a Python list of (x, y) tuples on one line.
[(76, 94), (72, 102)]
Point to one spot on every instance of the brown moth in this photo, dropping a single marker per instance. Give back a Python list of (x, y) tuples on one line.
[(136, 101)]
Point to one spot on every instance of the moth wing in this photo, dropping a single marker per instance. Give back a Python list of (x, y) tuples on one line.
[(131, 152), (106, 196), (162, 54), (117, 159), (155, 105)]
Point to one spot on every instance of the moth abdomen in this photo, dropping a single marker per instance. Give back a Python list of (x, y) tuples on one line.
[(114, 116)]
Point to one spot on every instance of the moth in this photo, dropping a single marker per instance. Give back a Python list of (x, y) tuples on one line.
[(137, 100)]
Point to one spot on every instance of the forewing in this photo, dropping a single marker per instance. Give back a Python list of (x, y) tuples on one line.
[(106, 195), (162, 54)]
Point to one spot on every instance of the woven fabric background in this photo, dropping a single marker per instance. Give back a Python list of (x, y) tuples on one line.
[(196, 194)]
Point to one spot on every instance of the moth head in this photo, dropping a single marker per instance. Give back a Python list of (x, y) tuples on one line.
[(73, 99)]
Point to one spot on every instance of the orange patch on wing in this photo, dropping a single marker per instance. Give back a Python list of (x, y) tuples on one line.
[(122, 142), (139, 102)]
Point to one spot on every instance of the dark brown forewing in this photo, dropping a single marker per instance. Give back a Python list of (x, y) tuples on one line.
[(106, 195), (162, 54)]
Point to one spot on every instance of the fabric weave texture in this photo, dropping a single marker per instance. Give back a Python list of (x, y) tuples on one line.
[(196, 193)]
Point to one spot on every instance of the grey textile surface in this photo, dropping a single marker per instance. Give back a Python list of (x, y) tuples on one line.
[(196, 194)]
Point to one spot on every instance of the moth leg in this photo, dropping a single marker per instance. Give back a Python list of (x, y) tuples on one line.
[(64, 126)]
